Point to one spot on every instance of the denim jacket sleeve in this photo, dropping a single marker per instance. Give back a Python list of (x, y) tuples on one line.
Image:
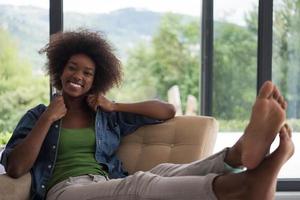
[(129, 122), (22, 129), (110, 128)]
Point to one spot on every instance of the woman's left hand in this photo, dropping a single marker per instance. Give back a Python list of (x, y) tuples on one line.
[(95, 100)]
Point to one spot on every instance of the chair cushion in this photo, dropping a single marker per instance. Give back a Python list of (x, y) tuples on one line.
[(15, 189), (182, 139)]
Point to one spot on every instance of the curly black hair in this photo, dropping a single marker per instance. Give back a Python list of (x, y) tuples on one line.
[(63, 45)]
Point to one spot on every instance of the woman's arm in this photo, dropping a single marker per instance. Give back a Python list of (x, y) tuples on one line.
[(23, 156), (153, 108)]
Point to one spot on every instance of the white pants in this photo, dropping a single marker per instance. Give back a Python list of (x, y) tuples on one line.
[(166, 181)]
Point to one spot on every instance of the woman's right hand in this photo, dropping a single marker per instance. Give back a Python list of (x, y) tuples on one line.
[(56, 109), (23, 156)]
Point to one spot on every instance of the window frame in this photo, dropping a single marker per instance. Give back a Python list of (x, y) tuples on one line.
[(264, 63), (55, 25)]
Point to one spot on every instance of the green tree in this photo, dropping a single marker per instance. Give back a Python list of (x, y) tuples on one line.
[(19, 88), (286, 50), (139, 82), (176, 49), (171, 57), (234, 71)]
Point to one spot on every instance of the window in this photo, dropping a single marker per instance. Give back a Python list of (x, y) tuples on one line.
[(158, 44), (234, 67), (23, 31), (286, 71)]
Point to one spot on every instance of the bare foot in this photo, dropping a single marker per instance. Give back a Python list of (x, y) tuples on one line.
[(268, 115), (259, 183)]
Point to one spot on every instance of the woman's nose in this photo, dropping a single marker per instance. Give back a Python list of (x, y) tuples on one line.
[(77, 75)]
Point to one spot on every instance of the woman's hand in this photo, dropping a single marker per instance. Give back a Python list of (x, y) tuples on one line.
[(153, 108), (24, 155), (95, 100), (56, 109)]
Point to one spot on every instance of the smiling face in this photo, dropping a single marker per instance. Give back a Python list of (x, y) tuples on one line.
[(78, 75)]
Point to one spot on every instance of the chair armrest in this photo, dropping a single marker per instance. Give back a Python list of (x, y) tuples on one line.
[(15, 189)]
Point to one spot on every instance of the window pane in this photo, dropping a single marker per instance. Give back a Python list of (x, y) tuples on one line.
[(235, 61), (24, 29), (286, 70), (158, 49)]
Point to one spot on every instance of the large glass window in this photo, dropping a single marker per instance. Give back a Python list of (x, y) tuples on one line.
[(158, 44), (234, 67), (286, 70), (24, 30)]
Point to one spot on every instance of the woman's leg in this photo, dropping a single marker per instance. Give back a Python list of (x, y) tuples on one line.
[(259, 183), (268, 114), (213, 164), (140, 186)]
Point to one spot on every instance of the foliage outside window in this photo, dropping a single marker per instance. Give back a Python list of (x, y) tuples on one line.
[(20, 89)]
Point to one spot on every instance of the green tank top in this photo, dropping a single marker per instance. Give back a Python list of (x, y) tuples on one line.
[(76, 155)]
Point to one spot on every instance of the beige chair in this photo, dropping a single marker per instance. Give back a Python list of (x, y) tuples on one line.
[(179, 140)]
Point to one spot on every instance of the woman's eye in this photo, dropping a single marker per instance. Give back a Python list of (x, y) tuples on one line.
[(88, 73), (70, 67)]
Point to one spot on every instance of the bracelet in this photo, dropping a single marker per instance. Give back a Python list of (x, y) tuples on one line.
[(234, 170)]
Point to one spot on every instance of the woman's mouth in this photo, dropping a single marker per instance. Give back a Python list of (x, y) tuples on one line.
[(75, 85)]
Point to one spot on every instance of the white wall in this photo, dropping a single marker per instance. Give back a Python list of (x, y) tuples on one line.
[(287, 195)]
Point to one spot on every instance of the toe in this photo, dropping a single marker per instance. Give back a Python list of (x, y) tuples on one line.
[(286, 145), (281, 101), (266, 90), (276, 93), (288, 129), (283, 131), (285, 104)]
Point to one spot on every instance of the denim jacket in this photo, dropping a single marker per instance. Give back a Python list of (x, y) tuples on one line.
[(110, 127)]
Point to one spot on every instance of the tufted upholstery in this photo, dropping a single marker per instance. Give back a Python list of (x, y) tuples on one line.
[(15, 189), (180, 140)]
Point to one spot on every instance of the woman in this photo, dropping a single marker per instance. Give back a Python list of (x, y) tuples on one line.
[(69, 146)]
